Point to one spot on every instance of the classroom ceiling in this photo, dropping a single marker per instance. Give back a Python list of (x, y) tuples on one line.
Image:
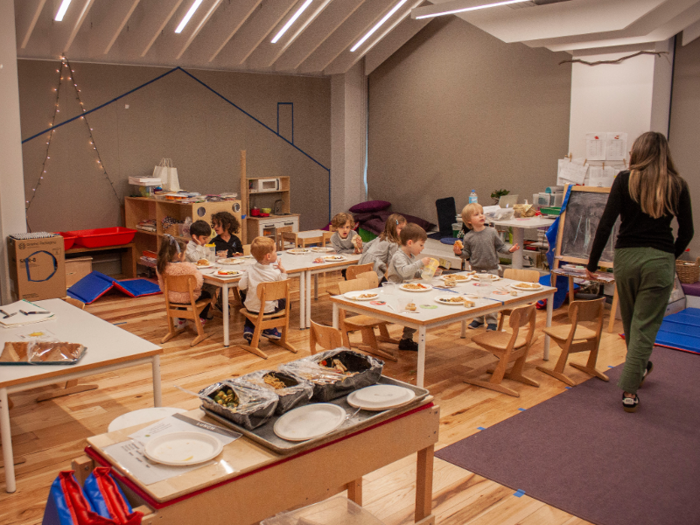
[(323, 40)]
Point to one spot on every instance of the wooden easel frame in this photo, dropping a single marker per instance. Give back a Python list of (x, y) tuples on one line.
[(558, 257)]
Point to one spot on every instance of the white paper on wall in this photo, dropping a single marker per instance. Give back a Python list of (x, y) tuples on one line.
[(572, 171), (616, 146), (595, 146)]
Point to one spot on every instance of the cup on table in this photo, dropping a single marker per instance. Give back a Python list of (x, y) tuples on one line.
[(222, 254), (484, 278), (388, 288)]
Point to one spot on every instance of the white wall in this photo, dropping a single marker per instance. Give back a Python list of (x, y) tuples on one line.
[(632, 96), (11, 174)]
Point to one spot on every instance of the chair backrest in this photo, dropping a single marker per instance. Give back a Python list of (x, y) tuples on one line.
[(327, 238), (582, 311), (528, 276), (326, 337), (246, 249), (180, 283), (75, 302), (353, 271), (354, 285), (522, 316), (290, 237), (446, 212), (273, 291), (370, 277)]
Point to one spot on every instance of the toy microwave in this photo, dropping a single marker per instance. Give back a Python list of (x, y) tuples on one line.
[(260, 185)]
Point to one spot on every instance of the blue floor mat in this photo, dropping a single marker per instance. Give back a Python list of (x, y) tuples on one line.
[(681, 331)]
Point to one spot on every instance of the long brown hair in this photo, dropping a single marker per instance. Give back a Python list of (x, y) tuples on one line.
[(169, 247), (390, 233), (654, 182)]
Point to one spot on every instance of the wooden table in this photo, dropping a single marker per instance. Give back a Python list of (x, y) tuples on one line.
[(108, 348), (423, 319), (128, 254), (248, 483)]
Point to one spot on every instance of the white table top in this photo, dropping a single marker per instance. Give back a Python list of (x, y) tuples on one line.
[(310, 234), (106, 344), (496, 294), (526, 222)]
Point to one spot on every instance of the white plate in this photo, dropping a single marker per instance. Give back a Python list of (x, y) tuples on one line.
[(355, 296), (457, 277), (183, 448), (309, 421), (334, 258), (318, 249), (237, 274), (492, 277), (231, 261), (298, 251), (380, 397), (204, 267), (443, 299), (426, 288), (527, 288)]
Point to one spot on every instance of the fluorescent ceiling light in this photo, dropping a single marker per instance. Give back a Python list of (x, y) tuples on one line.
[(62, 10), (465, 9), (187, 17), (291, 21), (378, 25)]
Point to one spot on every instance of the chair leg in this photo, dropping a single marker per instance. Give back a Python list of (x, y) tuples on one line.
[(558, 372), (171, 331), (253, 347), (384, 336), (501, 318), (516, 373), (493, 386), (283, 341), (201, 336), (589, 367), (370, 345)]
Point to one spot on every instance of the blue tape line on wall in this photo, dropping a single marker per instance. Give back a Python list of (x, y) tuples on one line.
[(28, 270)]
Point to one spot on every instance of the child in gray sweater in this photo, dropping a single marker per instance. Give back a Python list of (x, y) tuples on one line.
[(345, 239), (481, 247), (379, 251), (404, 266)]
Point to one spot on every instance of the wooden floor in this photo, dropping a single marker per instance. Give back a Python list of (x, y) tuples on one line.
[(51, 433)]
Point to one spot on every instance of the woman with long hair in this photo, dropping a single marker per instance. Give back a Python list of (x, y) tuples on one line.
[(646, 197)]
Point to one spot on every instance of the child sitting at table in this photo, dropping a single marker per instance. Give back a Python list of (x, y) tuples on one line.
[(200, 232), (481, 246), (380, 250), (263, 271), (404, 266), (345, 239), (171, 262), (226, 227)]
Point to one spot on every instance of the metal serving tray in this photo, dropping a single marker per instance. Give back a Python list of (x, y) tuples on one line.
[(266, 436)]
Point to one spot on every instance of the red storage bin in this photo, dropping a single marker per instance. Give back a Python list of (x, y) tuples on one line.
[(68, 239), (102, 237)]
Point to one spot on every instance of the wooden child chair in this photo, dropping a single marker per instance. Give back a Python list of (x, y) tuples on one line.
[(353, 271), (191, 310), (327, 238), (272, 291), (527, 276), (327, 337), (284, 238), (573, 338), (364, 323), (509, 347)]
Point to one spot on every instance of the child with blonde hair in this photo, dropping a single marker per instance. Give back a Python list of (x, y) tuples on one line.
[(481, 245), (345, 239), (380, 250), (171, 262), (404, 266), (263, 271)]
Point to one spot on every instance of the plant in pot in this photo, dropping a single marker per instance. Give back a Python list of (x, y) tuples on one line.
[(497, 194)]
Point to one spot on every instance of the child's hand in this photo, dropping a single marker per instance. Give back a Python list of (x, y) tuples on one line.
[(514, 248), (280, 267), (222, 253), (200, 241), (456, 249), (425, 261)]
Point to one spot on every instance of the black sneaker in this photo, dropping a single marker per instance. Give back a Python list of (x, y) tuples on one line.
[(475, 325), (630, 404), (408, 344), (650, 367), (492, 328)]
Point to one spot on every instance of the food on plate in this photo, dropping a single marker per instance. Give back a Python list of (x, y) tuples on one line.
[(322, 249), (411, 307), (459, 244), (455, 300), (415, 286), (469, 304), (334, 258), (226, 397), (367, 296), (203, 262), (228, 272), (450, 283), (458, 277), (319, 260), (528, 286), (297, 251)]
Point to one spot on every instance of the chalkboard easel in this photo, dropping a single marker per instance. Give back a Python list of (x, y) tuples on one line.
[(577, 228)]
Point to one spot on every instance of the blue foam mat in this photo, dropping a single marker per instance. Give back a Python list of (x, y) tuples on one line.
[(96, 284), (681, 331)]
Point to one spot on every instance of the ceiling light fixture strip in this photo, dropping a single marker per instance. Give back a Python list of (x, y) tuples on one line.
[(291, 21), (190, 13), (378, 25), (473, 8)]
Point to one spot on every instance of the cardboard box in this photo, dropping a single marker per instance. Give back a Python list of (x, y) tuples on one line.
[(76, 269), (37, 268)]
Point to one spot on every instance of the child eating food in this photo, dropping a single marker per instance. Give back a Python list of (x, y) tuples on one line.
[(345, 240), (380, 250)]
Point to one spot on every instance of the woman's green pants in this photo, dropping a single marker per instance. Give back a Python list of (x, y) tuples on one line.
[(644, 279)]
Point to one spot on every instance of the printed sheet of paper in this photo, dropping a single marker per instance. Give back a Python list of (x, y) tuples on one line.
[(595, 146), (130, 454), (602, 177), (616, 146), (573, 172)]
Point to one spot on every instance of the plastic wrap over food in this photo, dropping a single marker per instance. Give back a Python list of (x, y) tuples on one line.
[(293, 391), (245, 404), (335, 373), (41, 352)]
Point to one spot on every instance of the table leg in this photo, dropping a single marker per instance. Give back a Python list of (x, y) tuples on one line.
[(316, 286), (424, 483), (336, 316), (224, 302), (464, 330), (421, 357), (355, 491), (518, 238), (307, 320), (157, 395), (302, 300), (550, 309), (10, 485)]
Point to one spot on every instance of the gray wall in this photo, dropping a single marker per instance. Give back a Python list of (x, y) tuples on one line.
[(456, 109), (684, 135), (174, 117)]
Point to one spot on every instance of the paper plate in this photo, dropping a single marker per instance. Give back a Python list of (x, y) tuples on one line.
[(357, 295), (425, 287), (527, 287), (326, 249), (298, 251), (449, 300), (231, 261), (232, 275), (491, 277), (457, 277), (380, 397), (183, 448), (334, 258), (309, 421), (199, 267)]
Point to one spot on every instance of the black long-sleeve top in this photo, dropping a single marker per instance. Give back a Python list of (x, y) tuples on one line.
[(637, 229), (232, 246)]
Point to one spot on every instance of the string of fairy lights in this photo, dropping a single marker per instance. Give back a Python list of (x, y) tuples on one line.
[(66, 73)]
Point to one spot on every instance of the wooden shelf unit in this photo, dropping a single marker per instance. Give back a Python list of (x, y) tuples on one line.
[(267, 226), (137, 209)]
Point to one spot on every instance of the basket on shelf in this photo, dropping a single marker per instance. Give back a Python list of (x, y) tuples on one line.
[(688, 272), (173, 229)]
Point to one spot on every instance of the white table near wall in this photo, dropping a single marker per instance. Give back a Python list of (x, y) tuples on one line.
[(519, 226), (108, 348)]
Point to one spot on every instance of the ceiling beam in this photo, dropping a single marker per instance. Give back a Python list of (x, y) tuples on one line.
[(26, 18), (690, 33), (82, 15), (193, 34), (157, 16), (105, 33)]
